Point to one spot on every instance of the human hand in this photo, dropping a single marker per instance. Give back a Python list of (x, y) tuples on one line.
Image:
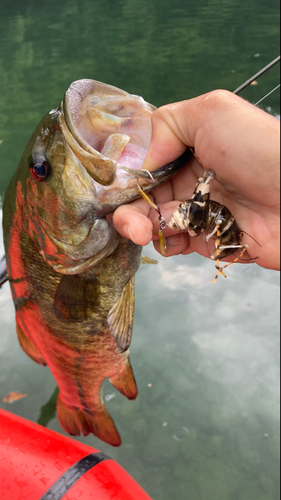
[(236, 140)]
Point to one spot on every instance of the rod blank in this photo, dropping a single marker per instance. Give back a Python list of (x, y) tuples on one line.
[(259, 73)]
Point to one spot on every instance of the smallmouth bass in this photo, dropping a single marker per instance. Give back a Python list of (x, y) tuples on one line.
[(71, 274)]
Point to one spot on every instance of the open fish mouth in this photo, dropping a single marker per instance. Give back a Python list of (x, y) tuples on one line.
[(107, 128), (95, 148), (109, 131)]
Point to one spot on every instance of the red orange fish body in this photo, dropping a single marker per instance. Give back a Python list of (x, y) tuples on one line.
[(71, 274)]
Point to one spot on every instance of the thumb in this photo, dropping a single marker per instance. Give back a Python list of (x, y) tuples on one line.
[(174, 128)]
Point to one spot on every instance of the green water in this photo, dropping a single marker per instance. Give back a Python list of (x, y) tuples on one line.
[(205, 425)]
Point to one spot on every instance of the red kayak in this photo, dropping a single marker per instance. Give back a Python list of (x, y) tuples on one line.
[(39, 464)]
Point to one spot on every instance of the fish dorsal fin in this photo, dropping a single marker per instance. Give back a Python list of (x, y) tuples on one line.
[(76, 298), (121, 315)]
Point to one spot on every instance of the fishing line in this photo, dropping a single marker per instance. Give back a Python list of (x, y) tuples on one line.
[(267, 95)]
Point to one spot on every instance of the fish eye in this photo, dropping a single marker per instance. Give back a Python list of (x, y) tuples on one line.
[(40, 170)]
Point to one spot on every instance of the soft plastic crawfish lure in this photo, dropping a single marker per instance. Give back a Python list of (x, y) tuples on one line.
[(199, 214)]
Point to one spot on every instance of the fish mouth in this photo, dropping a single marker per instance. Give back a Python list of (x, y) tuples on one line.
[(109, 132), (107, 128)]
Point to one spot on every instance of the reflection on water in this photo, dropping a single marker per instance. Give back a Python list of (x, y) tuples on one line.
[(48, 411), (205, 425)]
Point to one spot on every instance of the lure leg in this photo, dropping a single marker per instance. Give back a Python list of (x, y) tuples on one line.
[(220, 271), (220, 247)]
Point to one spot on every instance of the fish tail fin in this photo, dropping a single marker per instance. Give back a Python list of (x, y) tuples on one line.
[(125, 381), (99, 422), (30, 348), (68, 418)]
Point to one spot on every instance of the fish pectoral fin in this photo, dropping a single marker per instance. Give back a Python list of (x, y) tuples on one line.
[(76, 298), (121, 315)]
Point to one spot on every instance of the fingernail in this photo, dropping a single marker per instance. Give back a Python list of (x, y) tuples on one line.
[(175, 240)]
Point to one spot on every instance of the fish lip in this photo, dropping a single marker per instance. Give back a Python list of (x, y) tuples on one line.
[(163, 172), (67, 115), (173, 166), (86, 154)]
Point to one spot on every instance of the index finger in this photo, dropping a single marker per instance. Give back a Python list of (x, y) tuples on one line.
[(131, 221)]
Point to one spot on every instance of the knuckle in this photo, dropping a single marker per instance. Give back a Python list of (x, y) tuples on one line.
[(218, 97)]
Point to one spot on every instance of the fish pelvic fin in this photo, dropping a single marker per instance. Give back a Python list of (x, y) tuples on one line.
[(30, 347), (125, 381), (98, 421), (148, 260), (121, 315)]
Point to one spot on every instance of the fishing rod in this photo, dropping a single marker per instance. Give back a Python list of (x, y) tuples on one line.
[(3, 270), (256, 76)]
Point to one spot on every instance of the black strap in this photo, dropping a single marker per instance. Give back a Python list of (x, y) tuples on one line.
[(3, 271), (3, 279), (69, 478)]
